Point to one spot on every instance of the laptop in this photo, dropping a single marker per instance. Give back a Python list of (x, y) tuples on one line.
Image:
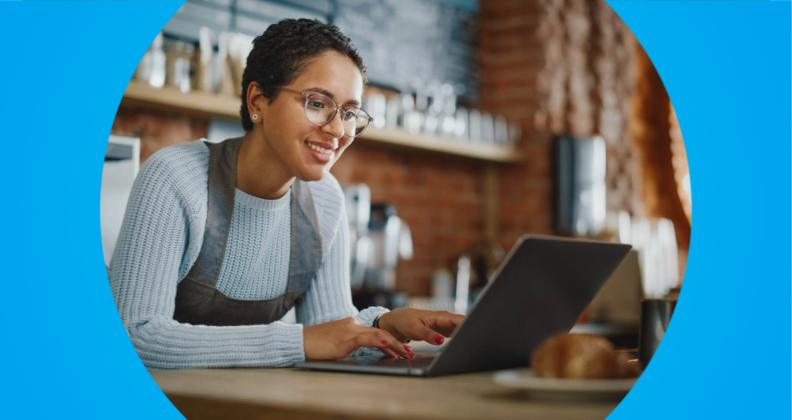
[(540, 290)]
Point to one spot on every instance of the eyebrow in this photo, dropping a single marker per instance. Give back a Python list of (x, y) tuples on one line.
[(330, 94)]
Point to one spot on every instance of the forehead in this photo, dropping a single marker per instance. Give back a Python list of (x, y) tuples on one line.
[(333, 72)]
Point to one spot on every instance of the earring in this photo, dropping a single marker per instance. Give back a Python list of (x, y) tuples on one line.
[(254, 117)]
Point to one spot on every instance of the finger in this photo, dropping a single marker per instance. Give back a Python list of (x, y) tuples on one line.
[(422, 332), (410, 351), (390, 353), (445, 323), (375, 337), (396, 348)]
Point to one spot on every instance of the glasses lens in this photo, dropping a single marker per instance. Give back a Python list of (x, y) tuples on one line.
[(350, 118), (319, 108), (362, 120)]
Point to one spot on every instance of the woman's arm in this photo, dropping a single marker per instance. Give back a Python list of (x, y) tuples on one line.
[(330, 296), (145, 274), (329, 300)]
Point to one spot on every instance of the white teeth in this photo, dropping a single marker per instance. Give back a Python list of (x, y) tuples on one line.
[(320, 149)]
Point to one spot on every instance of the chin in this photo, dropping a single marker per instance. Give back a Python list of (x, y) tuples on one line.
[(313, 171), (312, 174)]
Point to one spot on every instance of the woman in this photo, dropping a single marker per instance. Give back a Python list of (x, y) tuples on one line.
[(219, 241)]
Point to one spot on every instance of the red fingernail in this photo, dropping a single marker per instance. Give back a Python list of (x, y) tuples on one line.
[(439, 339), (384, 342)]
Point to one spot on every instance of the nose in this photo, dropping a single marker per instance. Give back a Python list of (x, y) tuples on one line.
[(335, 127)]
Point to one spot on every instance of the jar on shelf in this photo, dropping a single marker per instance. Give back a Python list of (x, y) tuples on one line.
[(180, 56), (151, 69)]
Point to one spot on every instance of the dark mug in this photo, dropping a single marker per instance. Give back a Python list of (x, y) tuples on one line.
[(655, 316)]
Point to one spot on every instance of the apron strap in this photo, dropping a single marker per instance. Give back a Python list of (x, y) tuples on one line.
[(306, 245), (219, 210), (197, 299)]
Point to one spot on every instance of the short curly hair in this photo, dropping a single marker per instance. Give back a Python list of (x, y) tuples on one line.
[(279, 54)]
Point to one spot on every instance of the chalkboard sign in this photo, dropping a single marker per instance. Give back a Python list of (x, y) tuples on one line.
[(405, 43), (410, 42)]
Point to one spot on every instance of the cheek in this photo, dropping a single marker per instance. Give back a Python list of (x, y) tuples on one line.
[(294, 133), (289, 127)]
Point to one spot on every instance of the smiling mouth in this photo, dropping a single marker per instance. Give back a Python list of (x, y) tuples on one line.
[(320, 149)]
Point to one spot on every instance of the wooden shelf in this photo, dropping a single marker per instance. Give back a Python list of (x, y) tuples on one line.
[(194, 102), (223, 106), (449, 146)]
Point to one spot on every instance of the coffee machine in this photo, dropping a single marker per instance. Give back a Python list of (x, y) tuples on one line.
[(358, 204), (379, 239), (391, 241)]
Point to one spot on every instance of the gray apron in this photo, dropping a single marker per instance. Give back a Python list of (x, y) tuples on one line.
[(198, 301)]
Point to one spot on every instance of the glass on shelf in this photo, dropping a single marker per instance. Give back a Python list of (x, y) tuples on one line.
[(461, 128), (474, 127), (151, 69), (179, 56), (487, 129), (501, 134), (411, 119), (392, 112), (376, 105)]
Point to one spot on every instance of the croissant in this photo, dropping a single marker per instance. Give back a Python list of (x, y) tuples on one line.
[(582, 356)]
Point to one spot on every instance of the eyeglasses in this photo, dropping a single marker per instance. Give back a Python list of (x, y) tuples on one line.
[(320, 109)]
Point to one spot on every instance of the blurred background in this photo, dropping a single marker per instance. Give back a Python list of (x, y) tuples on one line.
[(493, 119)]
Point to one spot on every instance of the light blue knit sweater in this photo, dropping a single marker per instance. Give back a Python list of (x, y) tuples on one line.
[(161, 237)]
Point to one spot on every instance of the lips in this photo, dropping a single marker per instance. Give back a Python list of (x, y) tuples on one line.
[(322, 152)]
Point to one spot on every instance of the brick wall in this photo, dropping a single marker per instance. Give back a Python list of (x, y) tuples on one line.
[(439, 198), (555, 66), (659, 151)]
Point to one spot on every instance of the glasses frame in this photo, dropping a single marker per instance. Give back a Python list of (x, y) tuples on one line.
[(305, 94)]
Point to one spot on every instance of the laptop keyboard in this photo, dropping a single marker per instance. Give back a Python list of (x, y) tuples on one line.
[(418, 362)]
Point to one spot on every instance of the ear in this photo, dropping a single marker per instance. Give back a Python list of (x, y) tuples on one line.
[(257, 103)]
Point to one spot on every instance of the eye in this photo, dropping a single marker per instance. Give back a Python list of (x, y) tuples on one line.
[(316, 103), (348, 114)]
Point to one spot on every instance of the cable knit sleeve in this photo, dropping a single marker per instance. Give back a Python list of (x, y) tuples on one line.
[(144, 274), (330, 296)]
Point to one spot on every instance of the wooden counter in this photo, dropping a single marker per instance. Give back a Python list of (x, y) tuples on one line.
[(301, 394)]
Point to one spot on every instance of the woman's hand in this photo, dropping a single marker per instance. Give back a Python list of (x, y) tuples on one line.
[(338, 339), (416, 324)]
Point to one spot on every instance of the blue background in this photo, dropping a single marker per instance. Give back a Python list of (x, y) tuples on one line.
[(726, 65)]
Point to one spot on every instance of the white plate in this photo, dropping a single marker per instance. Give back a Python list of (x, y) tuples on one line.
[(526, 379)]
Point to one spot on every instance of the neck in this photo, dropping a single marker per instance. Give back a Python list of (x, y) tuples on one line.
[(259, 172)]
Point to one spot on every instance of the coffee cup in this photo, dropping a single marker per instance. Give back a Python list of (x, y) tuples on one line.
[(655, 317)]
